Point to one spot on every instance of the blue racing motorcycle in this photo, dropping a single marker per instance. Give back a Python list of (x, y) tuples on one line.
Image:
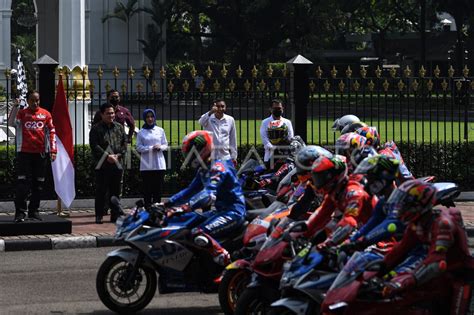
[(159, 244)]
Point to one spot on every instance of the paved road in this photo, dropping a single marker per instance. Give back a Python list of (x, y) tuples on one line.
[(63, 282)]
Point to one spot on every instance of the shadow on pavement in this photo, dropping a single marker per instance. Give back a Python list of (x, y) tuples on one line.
[(174, 311)]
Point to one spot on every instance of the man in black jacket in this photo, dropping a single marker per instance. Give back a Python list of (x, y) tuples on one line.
[(108, 143)]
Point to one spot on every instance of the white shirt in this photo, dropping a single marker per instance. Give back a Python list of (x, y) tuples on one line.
[(225, 135), (152, 160), (263, 134)]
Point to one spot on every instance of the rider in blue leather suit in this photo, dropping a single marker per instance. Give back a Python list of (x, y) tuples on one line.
[(215, 182), (381, 172)]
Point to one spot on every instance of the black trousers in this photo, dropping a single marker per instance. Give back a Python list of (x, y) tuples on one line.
[(152, 187), (107, 180), (30, 170)]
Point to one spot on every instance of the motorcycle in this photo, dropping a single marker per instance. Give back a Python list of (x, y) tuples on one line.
[(358, 290), (237, 275), (251, 173), (159, 244), (305, 279), (266, 267)]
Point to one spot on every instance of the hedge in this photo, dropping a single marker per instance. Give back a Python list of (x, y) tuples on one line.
[(450, 161)]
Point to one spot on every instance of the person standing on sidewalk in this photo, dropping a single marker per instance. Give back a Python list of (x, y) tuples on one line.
[(276, 115), (222, 127), (122, 114), (151, 142), (35, 140), (108, 143)]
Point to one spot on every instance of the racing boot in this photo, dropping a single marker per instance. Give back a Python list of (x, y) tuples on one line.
[(219, 254)]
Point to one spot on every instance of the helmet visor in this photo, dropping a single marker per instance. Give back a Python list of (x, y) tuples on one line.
[(396, 203), (320, 179)]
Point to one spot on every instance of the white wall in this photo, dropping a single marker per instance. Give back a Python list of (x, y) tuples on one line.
[(5, 34)]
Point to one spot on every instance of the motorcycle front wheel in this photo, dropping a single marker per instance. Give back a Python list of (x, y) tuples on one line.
[(124, 289), (233, 283), (256, 300)]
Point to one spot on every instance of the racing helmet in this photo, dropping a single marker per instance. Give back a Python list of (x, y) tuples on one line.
[(277, 132), (343, 121), (359, 154), (353, 127), (412, 199), (306, 156), (371, 134), (328, 172), (196, 144), (380, 172), (348, 142)]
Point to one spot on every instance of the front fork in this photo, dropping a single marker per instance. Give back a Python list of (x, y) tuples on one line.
[(134, 269)]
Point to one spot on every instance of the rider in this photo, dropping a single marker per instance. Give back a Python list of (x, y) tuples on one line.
[(304, 192), (346, 144), (440, 230), (344, 121), (341, 196), (380, 172), (215, 182), (389, 149)]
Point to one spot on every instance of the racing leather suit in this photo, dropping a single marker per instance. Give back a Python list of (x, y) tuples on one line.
[(444, 235), (350, 201), (218, 184), (382, 225)]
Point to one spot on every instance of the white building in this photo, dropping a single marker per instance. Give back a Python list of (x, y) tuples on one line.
[(72, 32)]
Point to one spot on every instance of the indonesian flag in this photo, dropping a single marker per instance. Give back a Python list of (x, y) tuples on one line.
[(63, 166)]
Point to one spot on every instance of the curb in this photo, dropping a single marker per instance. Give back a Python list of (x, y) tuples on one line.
[(59, 243), (74, 242)]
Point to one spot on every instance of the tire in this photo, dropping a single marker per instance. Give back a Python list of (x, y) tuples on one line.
[(313, 309), (280, 310), (116, 297), (233, 283), (256, 300)]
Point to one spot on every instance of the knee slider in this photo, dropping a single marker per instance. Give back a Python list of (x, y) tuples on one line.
[(201, 241)]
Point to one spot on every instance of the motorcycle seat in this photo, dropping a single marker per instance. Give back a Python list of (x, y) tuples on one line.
[(253, 213)]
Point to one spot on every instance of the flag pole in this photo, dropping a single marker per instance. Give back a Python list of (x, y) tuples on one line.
[(59, 209)]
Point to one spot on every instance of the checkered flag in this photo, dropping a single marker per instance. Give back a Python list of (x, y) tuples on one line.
[(21, 82)]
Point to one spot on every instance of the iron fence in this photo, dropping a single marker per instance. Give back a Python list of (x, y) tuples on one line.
[(428, 114)]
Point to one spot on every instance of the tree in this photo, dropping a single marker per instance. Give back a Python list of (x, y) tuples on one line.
[(153, 45), (461, 11), (124, 12)]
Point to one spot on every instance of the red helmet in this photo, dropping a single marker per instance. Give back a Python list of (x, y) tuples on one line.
[(371, 134), (196, 143), (412, 199), (328, 172)]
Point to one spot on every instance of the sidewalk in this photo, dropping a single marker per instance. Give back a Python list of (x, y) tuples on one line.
[(87, 234)]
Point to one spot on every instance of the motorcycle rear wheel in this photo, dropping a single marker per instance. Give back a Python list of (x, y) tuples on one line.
[(313, 309), (232, 285), (119, 295), (256, 300)]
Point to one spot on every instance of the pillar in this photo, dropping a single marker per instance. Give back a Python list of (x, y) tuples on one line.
[(72, 53), (299, 93), (5, 34)]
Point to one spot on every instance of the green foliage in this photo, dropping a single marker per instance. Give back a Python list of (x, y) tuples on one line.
[(450, 161)]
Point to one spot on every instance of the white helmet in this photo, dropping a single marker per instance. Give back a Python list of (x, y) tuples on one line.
[(345, 120)]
